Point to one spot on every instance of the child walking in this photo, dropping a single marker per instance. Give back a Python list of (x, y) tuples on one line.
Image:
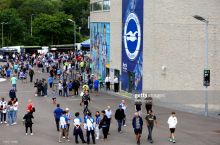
[(172, 122)]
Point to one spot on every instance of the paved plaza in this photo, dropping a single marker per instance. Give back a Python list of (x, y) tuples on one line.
[(191, 129)]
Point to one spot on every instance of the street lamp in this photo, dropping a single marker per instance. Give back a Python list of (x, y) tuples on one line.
[(206, 57), (31, 23), (79, 29), (74, 23), (3, 32)]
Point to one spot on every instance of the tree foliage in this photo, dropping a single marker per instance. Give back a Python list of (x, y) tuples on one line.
[(49, 21), (15, 27)]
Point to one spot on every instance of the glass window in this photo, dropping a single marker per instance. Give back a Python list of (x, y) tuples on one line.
[(97, 6), (106, 5)]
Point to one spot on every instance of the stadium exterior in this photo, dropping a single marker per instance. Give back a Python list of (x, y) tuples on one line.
[(155, 44)]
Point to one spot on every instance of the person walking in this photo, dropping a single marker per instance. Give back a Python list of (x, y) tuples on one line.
[(137, 123), (138, 104), (54, 97), (104, 125), (124, 107), (30, 106), (77, 131), (120, 116), (65, 89), (97, 123), (96, 86), (90, 128), (14, 82), (15, 105), (172, 122), (3, 105), (150, 121), (60, 88), (12, 93), (148, 103), (85, 101), (69, 117), (10, 111), (31, 75), (57, 114), (108, 113), (76, 87), (63, 126), (50, 81), (27, 119)]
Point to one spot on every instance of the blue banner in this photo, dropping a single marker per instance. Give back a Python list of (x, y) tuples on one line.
[(132, 45)]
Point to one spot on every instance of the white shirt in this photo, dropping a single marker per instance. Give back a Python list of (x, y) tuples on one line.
[(4, 104), (16, 106), (172, 122), (60, 86), (90, 124), (108, 113), (107, 79), (77, 122), (124, 107), (62, 122), (116, 80)]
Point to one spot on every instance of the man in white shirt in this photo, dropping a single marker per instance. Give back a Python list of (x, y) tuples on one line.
[(77, 131), (116, 84), (63, 126), (107, 82), (124, 107), (108, 113), (69, 117), (90, 128)]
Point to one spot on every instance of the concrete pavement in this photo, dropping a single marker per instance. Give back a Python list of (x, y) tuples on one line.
[(192, 129)]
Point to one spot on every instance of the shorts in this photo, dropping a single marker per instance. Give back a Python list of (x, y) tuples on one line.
[(137, 131), (172, 130)]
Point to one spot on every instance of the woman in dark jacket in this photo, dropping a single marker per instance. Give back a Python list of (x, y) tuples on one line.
[(28, 121), (104, 125)]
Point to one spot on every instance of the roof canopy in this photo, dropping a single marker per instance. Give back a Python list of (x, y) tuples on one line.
[(85, 43)]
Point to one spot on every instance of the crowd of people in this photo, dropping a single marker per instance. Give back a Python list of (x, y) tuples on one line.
[(68, 73)]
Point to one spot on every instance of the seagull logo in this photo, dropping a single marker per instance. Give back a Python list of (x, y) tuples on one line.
[(132, 36)]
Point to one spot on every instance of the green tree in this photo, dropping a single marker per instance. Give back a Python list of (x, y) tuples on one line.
[(53, 29), (13, 31), (4, 4), (16, 3), (80, 11)]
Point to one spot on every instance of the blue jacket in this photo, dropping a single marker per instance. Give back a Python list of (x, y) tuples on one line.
[(134, 122)]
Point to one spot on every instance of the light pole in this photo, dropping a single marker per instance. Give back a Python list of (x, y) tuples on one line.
[(31, 23), (206, 57), (79, 29), (74, 23), (3, 32)]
